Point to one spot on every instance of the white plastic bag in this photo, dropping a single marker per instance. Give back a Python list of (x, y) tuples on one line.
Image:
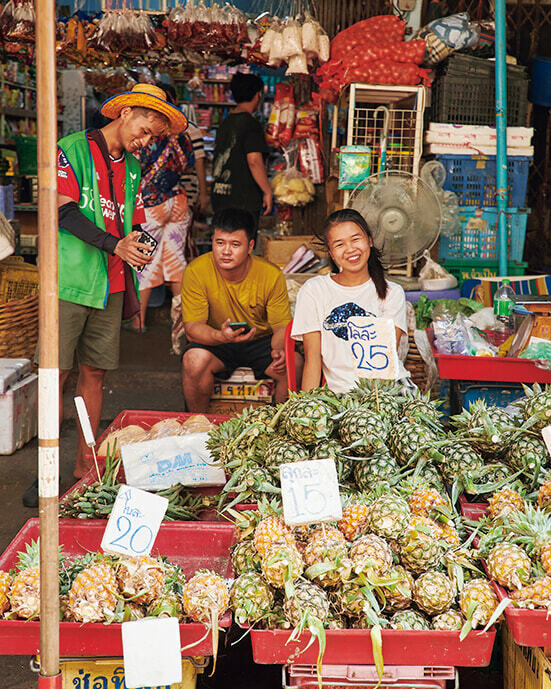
[(433, 277)]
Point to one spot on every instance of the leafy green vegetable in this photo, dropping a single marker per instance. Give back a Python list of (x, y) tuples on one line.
[(425, 308)]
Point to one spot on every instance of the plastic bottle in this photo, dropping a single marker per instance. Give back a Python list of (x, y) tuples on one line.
[(503, 310)]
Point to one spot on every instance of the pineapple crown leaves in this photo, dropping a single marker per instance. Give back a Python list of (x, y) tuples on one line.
[(531, 528)]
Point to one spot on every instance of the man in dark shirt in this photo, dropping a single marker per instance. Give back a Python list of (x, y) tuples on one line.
[(240, 179)]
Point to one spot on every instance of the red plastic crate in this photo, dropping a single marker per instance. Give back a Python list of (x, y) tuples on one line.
[(527, 627), (513, 370), (359, 676), (146, 419), (192, 545), (353, 647), (472, 510)]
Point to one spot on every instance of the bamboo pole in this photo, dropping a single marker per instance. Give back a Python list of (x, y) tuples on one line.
[(48, 374)]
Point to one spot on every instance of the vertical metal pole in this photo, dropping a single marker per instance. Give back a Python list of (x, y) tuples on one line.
[(48, 375), (501, 131)]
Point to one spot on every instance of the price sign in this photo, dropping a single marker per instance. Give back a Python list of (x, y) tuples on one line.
[(134, 522), (372, 343), (151, 651), (310, 492), (546, 433)]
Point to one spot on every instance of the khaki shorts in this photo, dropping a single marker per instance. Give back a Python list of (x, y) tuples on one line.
[(93, 333)]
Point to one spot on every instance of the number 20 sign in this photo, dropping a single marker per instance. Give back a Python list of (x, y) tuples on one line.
[(372, 343)]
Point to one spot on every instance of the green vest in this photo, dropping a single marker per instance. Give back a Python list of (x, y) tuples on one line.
[(82, 267)]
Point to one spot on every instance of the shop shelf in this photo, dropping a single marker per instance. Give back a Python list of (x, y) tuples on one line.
[(191, 545), (508, 370), (353, 647), (478, 238), (473, 179), (472, 510), (527, 627), (146, 419)]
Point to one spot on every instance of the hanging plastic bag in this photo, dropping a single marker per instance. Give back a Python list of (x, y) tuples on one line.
[(292, 39), (291, 187), (433, 277), (297, 65)]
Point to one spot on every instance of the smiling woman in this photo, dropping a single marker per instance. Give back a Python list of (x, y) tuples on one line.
[(358, 287)]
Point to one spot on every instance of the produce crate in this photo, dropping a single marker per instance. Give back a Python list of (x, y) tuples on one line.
[(494, 394), (353, 647), (478, 239), (472, 510), (527, 627), (191, 545), (464, 93), (473, 179), (524, 668), (360, 676), (482, 368), (468, 269)]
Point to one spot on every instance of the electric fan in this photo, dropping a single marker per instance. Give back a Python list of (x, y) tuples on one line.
[(404, 215)]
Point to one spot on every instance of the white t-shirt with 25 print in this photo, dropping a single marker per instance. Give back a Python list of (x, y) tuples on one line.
[(322, 303)]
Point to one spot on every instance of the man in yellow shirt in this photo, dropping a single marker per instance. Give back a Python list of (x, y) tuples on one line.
[(235, 308)]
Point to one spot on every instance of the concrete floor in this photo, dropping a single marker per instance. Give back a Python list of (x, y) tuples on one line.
[(148, 378)]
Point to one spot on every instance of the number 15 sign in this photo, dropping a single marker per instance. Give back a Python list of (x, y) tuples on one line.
[(372, 343)]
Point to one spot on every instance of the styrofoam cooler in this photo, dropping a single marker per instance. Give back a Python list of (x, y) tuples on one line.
[(18, 414)]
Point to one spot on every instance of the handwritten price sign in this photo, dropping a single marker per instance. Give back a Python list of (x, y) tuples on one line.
[(134, 522), (310, 492), (372, 344)]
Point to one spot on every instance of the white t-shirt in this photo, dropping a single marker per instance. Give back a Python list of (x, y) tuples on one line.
[(321, 303)]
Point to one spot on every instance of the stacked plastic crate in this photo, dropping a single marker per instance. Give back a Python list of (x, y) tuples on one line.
[(462, 138)]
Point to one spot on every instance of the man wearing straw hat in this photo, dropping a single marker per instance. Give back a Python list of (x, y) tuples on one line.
[(100, 212)]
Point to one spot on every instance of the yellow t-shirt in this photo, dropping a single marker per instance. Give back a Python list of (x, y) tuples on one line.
[(260, 299)]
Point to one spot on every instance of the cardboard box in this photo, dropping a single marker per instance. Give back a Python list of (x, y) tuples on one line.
[(19, 414), (524, 667), (279, 250)]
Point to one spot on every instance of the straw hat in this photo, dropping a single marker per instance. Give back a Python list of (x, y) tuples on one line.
[(145, 96)]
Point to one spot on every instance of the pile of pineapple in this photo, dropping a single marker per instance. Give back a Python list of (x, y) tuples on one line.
[(516, 545), (378, 435), (387, 563), (96, 587)]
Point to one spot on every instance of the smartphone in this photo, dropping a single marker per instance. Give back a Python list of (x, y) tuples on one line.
[(146, 238), (238, 326)]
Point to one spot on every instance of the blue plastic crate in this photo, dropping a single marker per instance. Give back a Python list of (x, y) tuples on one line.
[(478, 237), (497, 394), (473, 179)]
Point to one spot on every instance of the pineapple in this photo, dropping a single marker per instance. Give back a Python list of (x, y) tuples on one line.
[(307, 600), (140, 579), (282, 564), (536, 407), (363, 432), (308, 419), (371, 554), (505, 501), (532, 530), (409, 619), (386, 402), (509, 565), (5, 584), (24, 593), (389, 516), (423, 501), (460, 459), (487, 428), (535, 595), (233, 442), (544, 495), (270, 530), (349, 598), (330, 448), (449, 621), (168, 604), (420, 551), (397, 596), (380, 467), (94, 592), (450, 535), (245, 557), (478, 601), (410, 440), (434, 592), (526, 452), (251, 598), (424, 525), (326, 557), (355, 516), (421, 406), (280, 451)]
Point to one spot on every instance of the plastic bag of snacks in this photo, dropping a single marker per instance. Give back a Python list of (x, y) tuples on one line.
[(310, 160), (276, 55), (292, 39), (297, 64), (279, 130), (292, 188), (306, 122)]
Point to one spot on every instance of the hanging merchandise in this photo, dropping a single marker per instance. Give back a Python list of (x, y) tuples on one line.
[(310, 160), (279, 130), (7, 18), (291, 187), (121, 31), (207, 28), (298, 43), (372, 51), (22, 24)]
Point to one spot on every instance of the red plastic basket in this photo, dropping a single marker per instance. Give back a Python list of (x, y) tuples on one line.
[(472, 510), (513, 370), (353, 647), (527, 627), (146, 419), (191, 545), (360, 676)]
